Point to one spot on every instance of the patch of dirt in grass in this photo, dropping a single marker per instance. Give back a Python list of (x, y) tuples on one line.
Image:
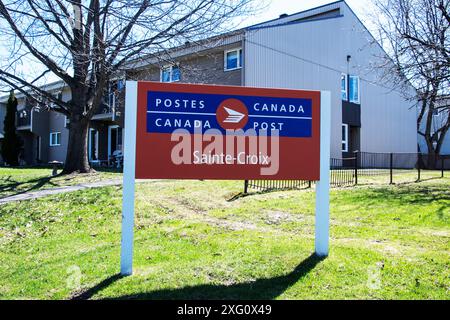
[(382, 246), (182, 208), (278, 217), (437, 233), (233, 225), (224, 275), (146, 271)]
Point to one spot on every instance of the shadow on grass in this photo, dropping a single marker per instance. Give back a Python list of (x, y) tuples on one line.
[(410, 194), (268, 288), (14, 188), (97, 288)]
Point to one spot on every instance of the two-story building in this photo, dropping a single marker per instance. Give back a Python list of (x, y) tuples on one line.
[(45, 132), (324, 48)]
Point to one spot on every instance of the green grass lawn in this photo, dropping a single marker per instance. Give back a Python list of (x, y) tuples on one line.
[(19, 180), (192, 241)]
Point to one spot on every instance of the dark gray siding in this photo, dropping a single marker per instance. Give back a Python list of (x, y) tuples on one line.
[(351, 114), (57, 124)]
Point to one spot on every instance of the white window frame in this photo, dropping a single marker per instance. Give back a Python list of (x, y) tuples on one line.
[(110, 128), (349, 91), (346, 86), (170, 67), (239, 62), (345, 140), (57, 133), (96, 132)]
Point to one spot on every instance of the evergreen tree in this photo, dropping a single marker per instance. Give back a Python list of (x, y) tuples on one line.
[(12, 143)]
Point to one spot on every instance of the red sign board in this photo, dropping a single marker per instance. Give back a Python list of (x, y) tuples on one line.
[(186, 131)]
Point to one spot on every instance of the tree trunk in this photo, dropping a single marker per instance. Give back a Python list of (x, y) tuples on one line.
[(77, 151), (431, 161), (431, 156)]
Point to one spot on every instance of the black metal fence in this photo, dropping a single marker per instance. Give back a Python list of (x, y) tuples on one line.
[(367, 167), (267, 185)]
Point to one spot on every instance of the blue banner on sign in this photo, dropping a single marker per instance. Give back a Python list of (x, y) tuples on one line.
[(168, 111)]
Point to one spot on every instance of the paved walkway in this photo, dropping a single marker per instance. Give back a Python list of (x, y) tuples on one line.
[(48, 192)]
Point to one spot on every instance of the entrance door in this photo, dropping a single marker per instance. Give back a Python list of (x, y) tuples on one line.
[(114, 139), (350, 143), (93, 144), (354, 139)]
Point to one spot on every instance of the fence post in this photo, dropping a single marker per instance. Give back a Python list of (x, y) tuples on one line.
[(356, 167), (309, 184), (391, 157), (442, 166), (245, 186)]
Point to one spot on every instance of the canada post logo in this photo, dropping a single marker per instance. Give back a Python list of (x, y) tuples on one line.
[(232, 114), (194, 112)]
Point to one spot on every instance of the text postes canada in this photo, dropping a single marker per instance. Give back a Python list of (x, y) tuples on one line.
[(168, 111)]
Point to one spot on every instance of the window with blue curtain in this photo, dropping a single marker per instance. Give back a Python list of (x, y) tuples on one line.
[(233, 59), (354, 89), (344, 87), (170, 74), (165, 74), (176, 73)]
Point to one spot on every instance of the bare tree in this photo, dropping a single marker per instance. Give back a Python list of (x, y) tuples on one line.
[(416, 35), (86, 42)]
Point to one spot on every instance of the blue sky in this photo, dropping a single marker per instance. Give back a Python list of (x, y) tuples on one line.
[(272, 10)]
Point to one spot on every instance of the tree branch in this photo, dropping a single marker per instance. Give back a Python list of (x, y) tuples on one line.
[(39, 55)]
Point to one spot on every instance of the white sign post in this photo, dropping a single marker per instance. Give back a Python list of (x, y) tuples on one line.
[(322, 186), (129, 161)]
